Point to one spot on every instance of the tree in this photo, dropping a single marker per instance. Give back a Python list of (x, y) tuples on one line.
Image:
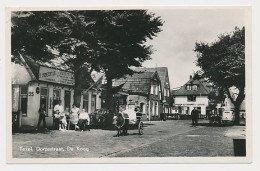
[(223, 62), (123, 35), (83, 41), (66, 36)]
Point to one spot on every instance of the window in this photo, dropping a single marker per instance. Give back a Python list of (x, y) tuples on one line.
[(191, 98), (152, 89), (167, 92), (192, 87), (23, 100), (153, 109), (156, 90)]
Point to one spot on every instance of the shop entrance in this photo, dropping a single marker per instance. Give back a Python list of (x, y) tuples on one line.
[(44, 99), (67, 99), (56, 97)]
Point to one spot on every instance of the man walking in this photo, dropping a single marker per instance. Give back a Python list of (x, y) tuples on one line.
[(194, 117), (42, 115)]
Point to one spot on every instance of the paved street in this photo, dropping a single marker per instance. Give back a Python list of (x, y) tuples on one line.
[(161, 139)]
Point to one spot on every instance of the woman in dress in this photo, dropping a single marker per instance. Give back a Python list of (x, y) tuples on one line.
[(74, 116)]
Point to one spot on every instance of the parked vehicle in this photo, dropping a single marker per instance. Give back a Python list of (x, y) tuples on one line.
[(227, 117), (222, 117)]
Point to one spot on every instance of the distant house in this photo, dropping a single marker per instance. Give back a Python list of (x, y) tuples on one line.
[(144, 90), (166, 100), (228, 103), (194, 93)]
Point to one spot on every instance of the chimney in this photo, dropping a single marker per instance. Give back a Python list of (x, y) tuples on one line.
[(190, 77)]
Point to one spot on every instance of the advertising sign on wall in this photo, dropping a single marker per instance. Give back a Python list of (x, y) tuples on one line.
[(56, 76)]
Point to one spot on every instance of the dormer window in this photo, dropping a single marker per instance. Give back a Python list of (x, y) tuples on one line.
[(192, 87)]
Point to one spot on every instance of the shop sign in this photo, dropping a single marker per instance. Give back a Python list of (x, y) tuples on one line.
[(56, 76)]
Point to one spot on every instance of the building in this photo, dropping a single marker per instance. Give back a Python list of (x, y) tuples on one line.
[(166, 101), (144, 90), (194, 93), (228, 105), (34, 84)]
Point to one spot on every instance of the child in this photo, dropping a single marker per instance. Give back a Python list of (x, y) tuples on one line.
[(63, 121)]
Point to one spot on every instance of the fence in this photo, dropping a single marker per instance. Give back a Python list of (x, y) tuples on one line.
[(177, 116)]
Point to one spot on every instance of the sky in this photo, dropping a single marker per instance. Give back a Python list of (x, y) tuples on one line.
[(182, 28)]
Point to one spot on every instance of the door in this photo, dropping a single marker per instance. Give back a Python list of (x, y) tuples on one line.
[(44, 99), (56, 97)]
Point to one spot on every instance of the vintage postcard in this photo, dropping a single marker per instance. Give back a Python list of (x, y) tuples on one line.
[(129, 85)]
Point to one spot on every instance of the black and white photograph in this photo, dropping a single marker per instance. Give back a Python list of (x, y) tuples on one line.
[(129, 84)]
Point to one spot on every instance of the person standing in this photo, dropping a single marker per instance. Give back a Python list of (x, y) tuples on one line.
[(74, 118), (67, 115), (194, 116), (42, 115), (84, 120), (58, 109)]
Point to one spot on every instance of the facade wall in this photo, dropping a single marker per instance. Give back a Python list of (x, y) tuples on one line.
[(34, 100), (166, 108), (228, 104), (155, 106), (27, 95), (187, 106), (140, 101)]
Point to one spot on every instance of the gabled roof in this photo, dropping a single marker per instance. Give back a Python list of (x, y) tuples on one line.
[(203, 88), (137, 83), (162, 72), (33, 66)]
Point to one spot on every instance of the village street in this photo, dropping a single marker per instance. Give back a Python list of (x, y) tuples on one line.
[(171, 138)]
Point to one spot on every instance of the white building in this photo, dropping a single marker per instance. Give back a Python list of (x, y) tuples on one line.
[(192, 94), (34, 84)]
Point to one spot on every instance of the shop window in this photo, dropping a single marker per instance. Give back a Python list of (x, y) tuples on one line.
[(191, 98), (85, 102), (24, 100), (142, 107), (44, 99), (122, 100), (93, 103), (67, 98)]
